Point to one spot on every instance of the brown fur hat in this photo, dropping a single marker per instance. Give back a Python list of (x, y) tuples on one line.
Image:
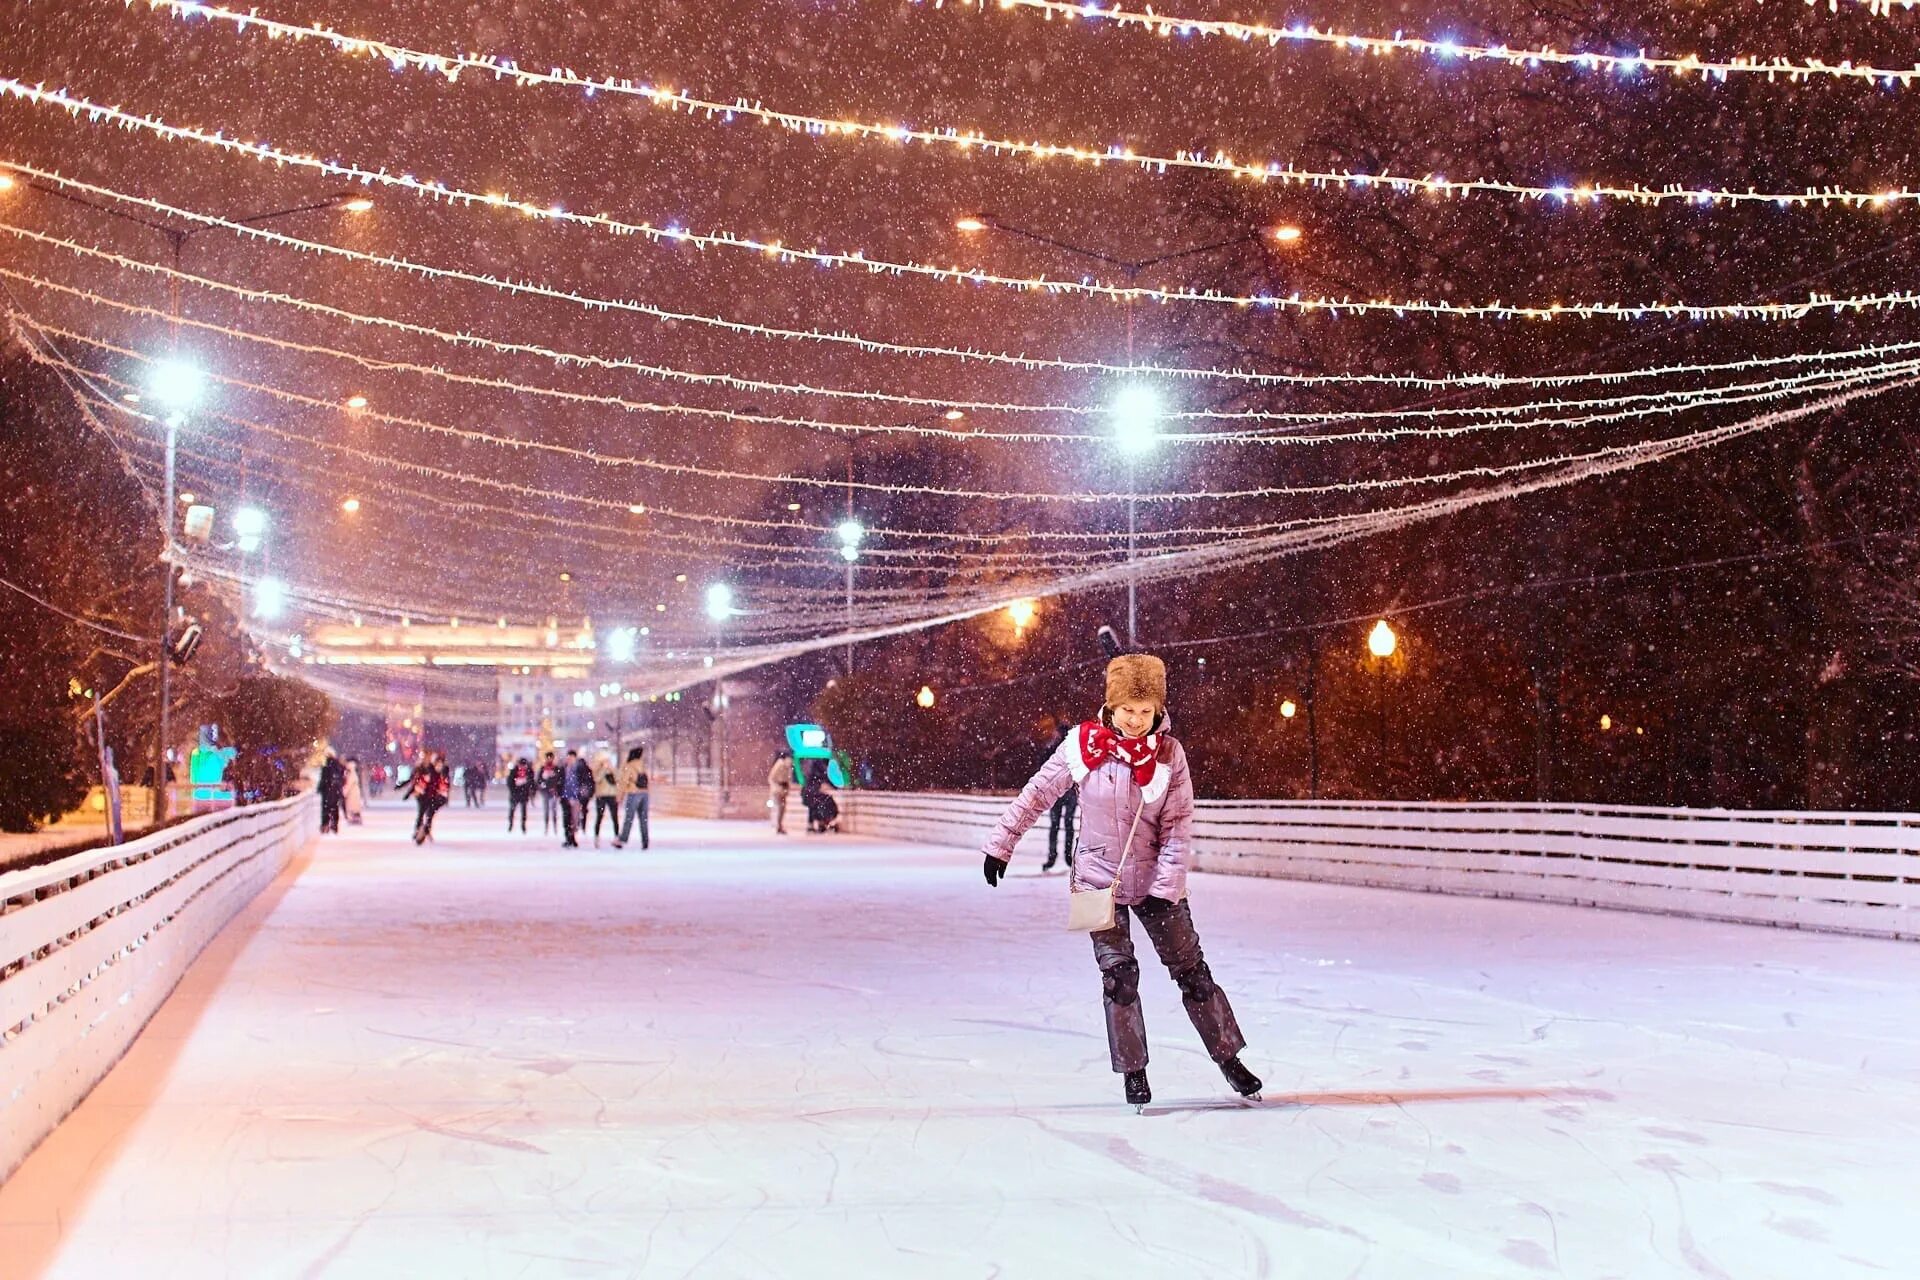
[(1137, 677)]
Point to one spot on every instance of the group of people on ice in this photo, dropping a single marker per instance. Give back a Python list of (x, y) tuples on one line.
[(618, 796), (342, 793), (823, 811)]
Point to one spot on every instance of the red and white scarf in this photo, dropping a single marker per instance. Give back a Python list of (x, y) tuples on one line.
[(1096, 744)]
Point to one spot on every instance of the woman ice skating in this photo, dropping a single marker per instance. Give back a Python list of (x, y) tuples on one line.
[(1136, 825), (606, 803), (354, 800)]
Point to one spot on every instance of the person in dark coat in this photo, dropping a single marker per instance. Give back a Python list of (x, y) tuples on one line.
[(1060, 817), (333, 793), (520, 785), (576, 793), (823, 812)]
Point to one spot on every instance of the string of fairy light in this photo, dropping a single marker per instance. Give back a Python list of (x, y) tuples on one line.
[(597, 457), (1171, 553), (779, 251), (1305, 533), (450, 66), (1524, 415), (1447, 49), (564, 359)]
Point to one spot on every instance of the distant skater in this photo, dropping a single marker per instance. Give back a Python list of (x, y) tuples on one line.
[(520, 784), (1136, 802), (548, 780), (631, 792), (779, 787)]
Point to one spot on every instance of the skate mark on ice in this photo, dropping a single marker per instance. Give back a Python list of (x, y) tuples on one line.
[(1029, 1026), (1205, 1186), (485, 1139), (1528, 1253), (1814, 1194), (1503, 1059), (880, 1047), (1674, 1135), (1416, 1046), (1798, 1228), (1444, 1183)]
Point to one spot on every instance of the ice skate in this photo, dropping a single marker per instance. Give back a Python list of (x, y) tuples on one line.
[(1139, 1093), (1244, 1082)]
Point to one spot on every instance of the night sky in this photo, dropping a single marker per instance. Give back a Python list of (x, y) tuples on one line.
[(431, 543)]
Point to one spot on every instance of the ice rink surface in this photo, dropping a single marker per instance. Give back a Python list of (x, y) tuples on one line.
[(737, 1055)]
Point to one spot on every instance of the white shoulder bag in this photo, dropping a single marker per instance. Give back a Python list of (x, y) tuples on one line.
[(1091, 910)]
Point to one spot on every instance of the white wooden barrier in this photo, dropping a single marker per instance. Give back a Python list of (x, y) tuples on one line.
[(1843, 872), (91, 945)]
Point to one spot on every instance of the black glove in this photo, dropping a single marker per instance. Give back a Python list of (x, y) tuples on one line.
[(1148, 908), (994, 869)]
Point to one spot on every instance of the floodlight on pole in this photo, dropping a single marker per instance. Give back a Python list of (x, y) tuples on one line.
[(719, 602), (851, 532), (1381, 642), (269, 598)]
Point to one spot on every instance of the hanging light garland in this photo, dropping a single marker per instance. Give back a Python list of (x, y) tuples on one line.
[(599, 458), (1529, 414), (1448, 50), (1292, 303), (450, 67), (567, 359)]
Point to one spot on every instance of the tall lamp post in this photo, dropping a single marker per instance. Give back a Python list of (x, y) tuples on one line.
[(719, 609), (1381, 643), (851, 533), (177, 386), (1136, 429), (1136, 408)]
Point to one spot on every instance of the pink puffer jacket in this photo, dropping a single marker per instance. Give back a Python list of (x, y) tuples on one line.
[(1162, 842)]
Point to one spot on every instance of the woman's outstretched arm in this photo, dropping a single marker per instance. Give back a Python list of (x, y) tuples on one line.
[(1045, 787)]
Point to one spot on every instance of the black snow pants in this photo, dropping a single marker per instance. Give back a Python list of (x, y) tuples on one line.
[(1174, 937)]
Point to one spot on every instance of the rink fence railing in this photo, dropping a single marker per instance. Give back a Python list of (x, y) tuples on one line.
[(92, 945), (1843, 872)]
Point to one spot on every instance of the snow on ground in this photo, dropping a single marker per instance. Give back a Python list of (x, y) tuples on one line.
[(738, 1055)]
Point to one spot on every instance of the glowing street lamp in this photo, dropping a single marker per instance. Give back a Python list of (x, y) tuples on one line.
[(623, 643), (1287, 234), (249, 527), (1381, 643), (1021, 613), (971, 224), (177, 384), (351, 506), (1136, 419), (720, 602), (1288, 710), (925, 698)]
